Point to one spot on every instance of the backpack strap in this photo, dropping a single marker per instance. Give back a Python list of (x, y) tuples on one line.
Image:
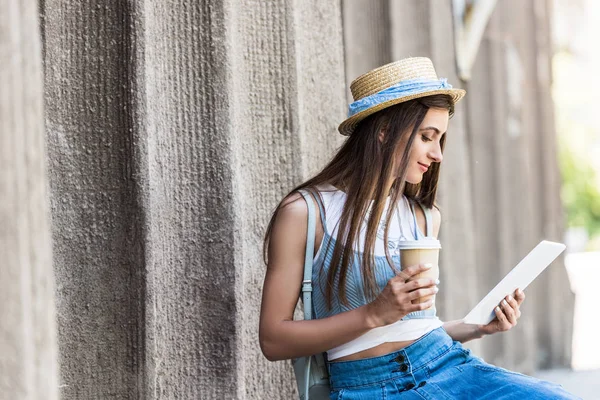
[(308, 257), (307, 280)]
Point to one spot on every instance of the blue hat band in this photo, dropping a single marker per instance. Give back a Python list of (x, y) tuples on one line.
[(402, 89)]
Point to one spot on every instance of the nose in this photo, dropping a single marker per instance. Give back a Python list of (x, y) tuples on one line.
[(436, 155)]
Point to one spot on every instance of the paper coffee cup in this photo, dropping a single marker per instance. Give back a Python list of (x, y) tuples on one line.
[(425, 251)]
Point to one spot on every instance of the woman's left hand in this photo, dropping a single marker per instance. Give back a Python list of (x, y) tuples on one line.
[(507, 314)]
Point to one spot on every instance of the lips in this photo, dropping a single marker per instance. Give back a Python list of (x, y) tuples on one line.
[(424, 167)]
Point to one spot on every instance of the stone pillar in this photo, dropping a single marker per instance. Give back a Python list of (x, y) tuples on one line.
[(264, 85), (515, 144), (97, 174), (28, 365), (288, 70), (174, 131), (555, 297), (367, 41)]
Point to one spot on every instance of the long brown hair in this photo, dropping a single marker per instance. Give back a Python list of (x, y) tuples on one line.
[(364, 168)]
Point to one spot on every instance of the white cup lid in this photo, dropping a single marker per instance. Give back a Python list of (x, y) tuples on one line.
[(419, 244)]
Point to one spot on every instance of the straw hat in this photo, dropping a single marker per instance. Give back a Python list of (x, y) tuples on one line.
[(391, 84)]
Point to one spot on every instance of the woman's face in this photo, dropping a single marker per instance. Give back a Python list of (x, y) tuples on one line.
[(426, 147)]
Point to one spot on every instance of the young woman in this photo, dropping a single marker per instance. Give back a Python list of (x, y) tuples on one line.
[(379, 189)]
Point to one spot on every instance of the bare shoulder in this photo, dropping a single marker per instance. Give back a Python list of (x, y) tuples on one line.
[(294, 207), (291, 223), (293, 210), (293, 213), (294, 204)]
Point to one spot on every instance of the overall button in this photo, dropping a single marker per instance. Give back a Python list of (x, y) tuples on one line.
[(422, 383), (404, 368), (409, 386), (399, 359)]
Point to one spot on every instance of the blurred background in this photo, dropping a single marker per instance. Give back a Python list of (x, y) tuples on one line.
[(144, 145), (576, 98)]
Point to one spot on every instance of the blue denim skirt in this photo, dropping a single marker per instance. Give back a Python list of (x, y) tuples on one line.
[(434, 367)]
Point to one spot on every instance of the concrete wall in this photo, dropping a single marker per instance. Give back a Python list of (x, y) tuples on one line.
[(28, 350), (174, 128)]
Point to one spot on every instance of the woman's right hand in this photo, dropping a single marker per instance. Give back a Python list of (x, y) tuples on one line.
[(395, 300)]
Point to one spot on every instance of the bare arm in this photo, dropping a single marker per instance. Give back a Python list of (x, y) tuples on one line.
[(281, 337), (507, 314), (462, 332)]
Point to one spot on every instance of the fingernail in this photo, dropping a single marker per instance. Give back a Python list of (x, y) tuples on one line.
[(435, 289), (498, 309), (503, 302), (428, 265), (510, 297), (437, 281)]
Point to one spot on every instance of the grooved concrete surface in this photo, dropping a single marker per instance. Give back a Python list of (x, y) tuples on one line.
[(284, 128), (98, 246), (28, 351), (173, 130)]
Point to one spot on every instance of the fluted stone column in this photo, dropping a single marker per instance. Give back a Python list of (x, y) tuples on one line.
[(289, 71), (97, 176), (555, 297), (174, 130), (515, 146), (265, 84), (28, 369), (367, 41)]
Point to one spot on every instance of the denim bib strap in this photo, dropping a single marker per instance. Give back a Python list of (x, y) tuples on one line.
[(428, 222), (428, 219), (319, 201)]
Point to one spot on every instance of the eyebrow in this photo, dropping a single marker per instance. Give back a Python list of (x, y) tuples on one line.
[(431, 128)]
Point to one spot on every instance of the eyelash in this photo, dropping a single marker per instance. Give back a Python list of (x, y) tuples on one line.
[(425, 138)]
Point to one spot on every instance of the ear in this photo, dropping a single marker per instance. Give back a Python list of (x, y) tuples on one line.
[(381, 135)]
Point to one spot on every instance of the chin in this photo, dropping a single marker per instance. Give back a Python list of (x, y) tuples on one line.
[(414, 180)]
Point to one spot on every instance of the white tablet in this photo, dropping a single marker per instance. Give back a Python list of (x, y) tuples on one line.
[(519, 278)]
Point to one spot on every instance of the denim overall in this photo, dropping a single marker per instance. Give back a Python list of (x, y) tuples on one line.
[(434, 367)]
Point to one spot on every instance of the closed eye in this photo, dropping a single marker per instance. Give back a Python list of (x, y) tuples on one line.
[(425, 138)]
